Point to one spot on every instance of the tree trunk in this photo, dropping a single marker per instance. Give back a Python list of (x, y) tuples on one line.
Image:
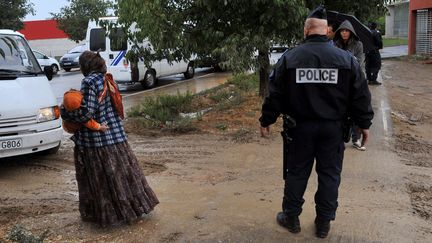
[(264, 66)]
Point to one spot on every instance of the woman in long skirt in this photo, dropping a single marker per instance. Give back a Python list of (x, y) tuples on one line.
[(112, 187)]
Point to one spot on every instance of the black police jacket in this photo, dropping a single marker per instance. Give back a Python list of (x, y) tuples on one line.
[(317, 81)]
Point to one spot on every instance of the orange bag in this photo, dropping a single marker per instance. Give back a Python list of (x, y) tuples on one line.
[(116, 99)]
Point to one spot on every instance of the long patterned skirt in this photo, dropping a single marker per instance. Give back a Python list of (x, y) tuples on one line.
[(112, 187)]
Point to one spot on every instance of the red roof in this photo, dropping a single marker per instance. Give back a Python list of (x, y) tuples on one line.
[(42, 30)]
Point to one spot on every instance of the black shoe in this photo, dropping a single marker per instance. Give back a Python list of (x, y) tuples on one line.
[(292, 223), (322, 228), (374, 83)]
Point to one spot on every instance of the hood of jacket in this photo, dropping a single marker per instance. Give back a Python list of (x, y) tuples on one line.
[(348, 26)]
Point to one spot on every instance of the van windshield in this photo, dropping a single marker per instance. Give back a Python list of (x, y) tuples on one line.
[(16, 55)]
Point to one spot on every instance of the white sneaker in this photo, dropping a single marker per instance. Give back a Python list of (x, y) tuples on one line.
[(358, 146)]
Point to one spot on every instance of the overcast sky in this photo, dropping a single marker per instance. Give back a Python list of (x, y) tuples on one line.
[(44, 7)]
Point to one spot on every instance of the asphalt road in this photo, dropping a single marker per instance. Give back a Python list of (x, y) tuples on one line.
[(65, 81), (204, 78)]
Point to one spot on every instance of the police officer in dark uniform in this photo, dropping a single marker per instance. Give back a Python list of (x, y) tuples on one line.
[(316, 86), (373, 57)]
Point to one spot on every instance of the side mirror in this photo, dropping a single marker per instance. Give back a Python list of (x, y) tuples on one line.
[(46, 57), (48, 72)]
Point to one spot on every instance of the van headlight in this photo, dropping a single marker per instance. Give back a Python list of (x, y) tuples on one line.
[(77, 59), (48, 114)]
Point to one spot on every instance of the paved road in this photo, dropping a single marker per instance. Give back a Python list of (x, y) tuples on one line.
[(64, 81), (394, 51)]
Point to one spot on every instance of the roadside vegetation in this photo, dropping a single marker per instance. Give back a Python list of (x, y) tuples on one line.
[(417, 58), (208, 111), (387, 42)]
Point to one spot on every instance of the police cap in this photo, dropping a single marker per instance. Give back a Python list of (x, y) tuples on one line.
[(318, 13)]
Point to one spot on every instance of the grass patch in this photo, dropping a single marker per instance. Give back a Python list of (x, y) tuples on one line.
[(413, 58), (222, 126), (387, 42), (177, 113), (245, 82), (220, 95), (162, 110), (20, 234), (242, 135), (235, 100)]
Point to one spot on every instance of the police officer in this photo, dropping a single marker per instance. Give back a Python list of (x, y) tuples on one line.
[(373, 57), (318, 86)]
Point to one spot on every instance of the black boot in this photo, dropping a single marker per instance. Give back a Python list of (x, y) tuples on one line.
[(292, 223), (374, 83), (322, 227)]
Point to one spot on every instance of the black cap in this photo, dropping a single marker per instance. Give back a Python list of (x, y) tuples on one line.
[(373, 25), (318, 13)]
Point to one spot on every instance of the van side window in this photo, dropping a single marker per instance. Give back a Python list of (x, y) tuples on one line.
[(97, 40), (118, 40)]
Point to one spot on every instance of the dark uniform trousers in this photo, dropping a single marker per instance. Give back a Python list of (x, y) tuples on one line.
[(313, 140), (373, 65)]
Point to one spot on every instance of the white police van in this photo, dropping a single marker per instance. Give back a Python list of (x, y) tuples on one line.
[(113, 48), (29, 115)]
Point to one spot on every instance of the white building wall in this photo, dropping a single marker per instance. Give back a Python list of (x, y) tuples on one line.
[(54, 47), (389, 22), (397, 19)]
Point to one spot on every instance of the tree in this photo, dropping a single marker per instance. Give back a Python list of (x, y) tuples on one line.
[(363, 10), (73, 19), (13, 11), (233, 31)]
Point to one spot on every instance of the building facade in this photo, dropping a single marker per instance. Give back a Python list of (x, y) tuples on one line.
[(420, 27), (397, 19), (46, 37)]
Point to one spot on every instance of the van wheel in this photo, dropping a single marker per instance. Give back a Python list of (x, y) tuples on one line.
[(67, 69), (149, 80), (55, 68), (190, 71)]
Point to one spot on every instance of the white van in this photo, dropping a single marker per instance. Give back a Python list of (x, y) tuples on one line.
[(113, 48), (29, 115)]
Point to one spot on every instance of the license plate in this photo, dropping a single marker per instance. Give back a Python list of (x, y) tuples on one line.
[(10, 144), (67, 63)]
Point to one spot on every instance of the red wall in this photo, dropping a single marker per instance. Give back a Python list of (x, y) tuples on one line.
[(42, 30), (414, 6), (420, 4)]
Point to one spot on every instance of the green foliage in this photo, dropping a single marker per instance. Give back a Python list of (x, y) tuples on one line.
[(230, 30), (73, 19), (394, 42), (235, 100), (242, 135), (20, 234), (12, 12), (164, 109), (364, 10), (245, 82), (222, 126), (220, 95)]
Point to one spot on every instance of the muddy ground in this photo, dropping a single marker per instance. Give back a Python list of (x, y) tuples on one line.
[(409, 86), (224, 185)]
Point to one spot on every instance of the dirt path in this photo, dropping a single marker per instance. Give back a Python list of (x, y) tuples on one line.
[(213, 189)]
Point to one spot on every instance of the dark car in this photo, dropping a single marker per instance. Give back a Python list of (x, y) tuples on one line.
[(70, 59)]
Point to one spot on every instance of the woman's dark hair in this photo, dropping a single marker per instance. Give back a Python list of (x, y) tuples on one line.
[(91, 62)]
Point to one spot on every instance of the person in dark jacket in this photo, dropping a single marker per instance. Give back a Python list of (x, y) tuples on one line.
[(346, 38), (373, 57), (316, 86), (331, 33)]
